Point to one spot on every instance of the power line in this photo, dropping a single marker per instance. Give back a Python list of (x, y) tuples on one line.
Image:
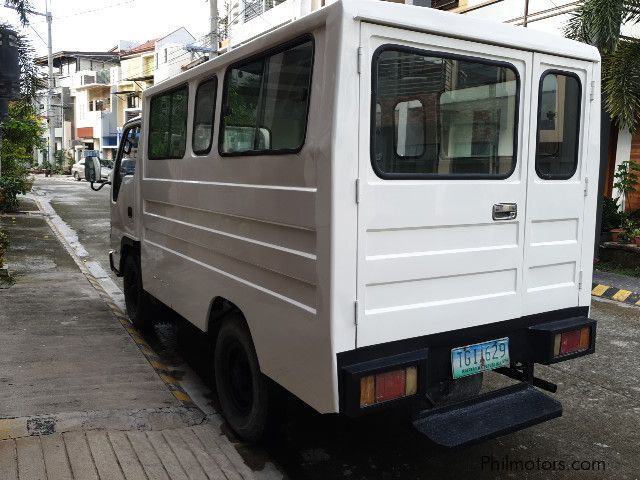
[(93, 10)]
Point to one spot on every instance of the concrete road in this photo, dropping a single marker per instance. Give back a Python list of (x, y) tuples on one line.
[(600, 428)]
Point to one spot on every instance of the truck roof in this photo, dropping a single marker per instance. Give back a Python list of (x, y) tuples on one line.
[(408, 17), (448, 24)]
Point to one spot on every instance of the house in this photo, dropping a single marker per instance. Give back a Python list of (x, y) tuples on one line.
[(81, 105), (171, 53)]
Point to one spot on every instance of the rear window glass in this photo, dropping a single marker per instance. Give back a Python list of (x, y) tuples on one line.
[(168, 124), (441, 116), (558, 125)]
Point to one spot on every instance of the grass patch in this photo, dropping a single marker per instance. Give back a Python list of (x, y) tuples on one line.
[(619, 269)]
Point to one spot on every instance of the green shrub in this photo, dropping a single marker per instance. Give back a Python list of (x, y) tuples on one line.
[(611, 215), (4, 245)]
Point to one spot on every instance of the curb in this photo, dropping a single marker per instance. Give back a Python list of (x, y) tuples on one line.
[(163, 371), (617, 294)]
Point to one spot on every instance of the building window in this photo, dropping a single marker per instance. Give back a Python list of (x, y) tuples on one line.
[(437, 115), (168, 124), (266, 102), (559, 105), (203, 116), (165, 55)]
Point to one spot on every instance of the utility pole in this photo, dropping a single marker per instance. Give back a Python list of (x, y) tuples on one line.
[(213, 19), (52, 131), (526, 13)]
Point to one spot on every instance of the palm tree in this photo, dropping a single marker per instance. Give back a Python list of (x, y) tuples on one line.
[(599, 22)]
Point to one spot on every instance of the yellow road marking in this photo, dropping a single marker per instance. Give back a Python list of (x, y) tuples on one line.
[(158, 365), (599, 290), (622, 295), (169, 379), (183, 397)]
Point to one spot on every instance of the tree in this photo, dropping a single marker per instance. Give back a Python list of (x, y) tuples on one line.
[(22, 129), (22, 133), (599, 22), (22, 7)]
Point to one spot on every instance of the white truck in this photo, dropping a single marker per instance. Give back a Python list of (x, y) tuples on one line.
[(371, 206)]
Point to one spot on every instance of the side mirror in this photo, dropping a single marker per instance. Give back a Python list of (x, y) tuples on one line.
[(92, 169)]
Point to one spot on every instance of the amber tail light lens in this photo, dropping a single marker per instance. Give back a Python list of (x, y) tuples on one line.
[(386, 386)]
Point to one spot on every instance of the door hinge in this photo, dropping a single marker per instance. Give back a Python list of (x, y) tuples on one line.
[(357, 190), (355, 313), (580, 279), (592, 95), (359, 60), (586, 186)]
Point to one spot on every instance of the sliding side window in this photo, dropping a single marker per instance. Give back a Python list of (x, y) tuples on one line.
[(168, 124), (558, 125), (266, 102), (203, 116), (442, 116)]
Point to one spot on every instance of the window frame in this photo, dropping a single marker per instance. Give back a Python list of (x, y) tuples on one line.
[(576, 161), (424, 132), (308, 37), (186, 121), (449, 56), (206, 151)]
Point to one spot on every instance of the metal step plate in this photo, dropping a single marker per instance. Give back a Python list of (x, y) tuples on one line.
[(488, 416)]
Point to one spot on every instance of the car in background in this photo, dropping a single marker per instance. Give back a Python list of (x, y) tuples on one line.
[(77, 170), (106, 169)]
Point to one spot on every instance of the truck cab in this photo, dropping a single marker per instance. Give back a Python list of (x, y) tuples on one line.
[(124, 232)]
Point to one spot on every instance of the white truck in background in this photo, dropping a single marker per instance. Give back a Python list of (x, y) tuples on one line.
[(370, 206)]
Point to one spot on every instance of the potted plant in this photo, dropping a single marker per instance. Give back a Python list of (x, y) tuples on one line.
[(611, 220)]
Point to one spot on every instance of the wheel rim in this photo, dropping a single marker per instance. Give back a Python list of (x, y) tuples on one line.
[(239, 377)]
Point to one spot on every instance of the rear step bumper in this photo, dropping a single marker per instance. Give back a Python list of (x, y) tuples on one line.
[(488, 416)]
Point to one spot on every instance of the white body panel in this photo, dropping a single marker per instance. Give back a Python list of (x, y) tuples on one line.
[(283, 238)]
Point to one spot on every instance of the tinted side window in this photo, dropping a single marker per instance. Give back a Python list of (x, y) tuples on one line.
[(442, 116), (558, 125), (168, 124), (267, 102), (203, 116)]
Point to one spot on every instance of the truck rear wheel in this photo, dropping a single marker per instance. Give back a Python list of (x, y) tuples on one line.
[(137, 301), (243, 391)]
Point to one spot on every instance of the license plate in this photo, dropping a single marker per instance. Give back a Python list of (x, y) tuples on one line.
[(480, 357)]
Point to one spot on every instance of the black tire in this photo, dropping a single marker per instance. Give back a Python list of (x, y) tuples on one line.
[(137, 301), (76, 175), (243, 391)]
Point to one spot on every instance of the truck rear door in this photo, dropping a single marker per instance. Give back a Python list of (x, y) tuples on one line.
[(558, 183), (443, 167)]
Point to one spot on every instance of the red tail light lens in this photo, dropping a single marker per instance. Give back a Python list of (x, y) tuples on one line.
[(390, 385)]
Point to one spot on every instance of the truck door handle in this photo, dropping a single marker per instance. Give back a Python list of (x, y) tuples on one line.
[(505, 211), (130, 212)]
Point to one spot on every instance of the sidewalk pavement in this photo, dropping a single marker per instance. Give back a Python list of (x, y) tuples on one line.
[(78, 399)]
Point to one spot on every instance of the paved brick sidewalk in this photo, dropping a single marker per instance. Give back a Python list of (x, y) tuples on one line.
[(198, 452), (78, 398)]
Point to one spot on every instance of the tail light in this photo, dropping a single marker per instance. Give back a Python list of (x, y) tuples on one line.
[(386, 386), (572, 341)]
